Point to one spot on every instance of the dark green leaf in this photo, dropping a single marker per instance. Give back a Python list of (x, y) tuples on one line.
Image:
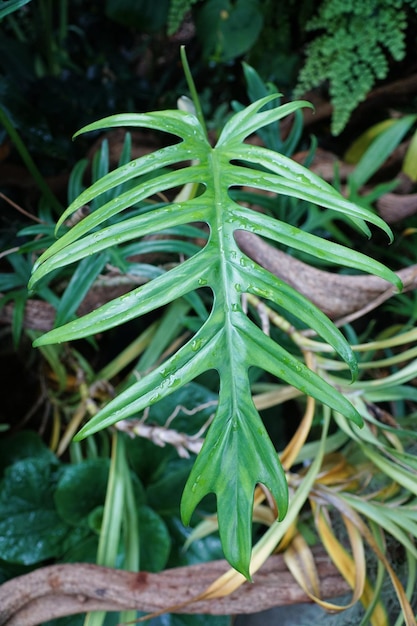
[(199, 551), (144, 15), (23, 445), (31, 530), (79, 285), (155, 542), (172, 619), (164, 494), (81, 489), (228, 30), (71, 620), (80, 546)]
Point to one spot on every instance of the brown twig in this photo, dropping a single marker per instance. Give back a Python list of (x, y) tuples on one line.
[(21, 209)]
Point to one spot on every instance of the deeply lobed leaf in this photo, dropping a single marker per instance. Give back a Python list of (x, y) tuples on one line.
[(237, 453)]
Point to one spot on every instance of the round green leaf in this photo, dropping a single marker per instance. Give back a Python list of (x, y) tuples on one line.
[(155, 542), (31, 530), (81, 489)]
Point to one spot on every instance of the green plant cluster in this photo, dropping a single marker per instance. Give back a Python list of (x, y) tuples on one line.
[(202, 351), (66, 504), (45, 52), (51, 51), (353, 49)]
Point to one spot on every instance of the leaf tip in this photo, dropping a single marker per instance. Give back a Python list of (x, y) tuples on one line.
[(356, 418), (398, 283), (31, 285), (243, 569)]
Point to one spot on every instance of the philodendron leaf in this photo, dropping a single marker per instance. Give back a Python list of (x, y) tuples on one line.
[(237, 453)]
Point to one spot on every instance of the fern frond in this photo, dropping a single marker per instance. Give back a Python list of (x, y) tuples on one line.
[(178, 9), (353, 51)]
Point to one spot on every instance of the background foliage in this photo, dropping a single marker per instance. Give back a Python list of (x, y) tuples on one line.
[(65, 65)]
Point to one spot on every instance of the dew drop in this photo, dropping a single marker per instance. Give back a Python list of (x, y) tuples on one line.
[(196, 344), (195, 484)]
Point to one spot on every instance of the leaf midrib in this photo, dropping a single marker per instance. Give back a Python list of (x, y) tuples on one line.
[(230, 298)]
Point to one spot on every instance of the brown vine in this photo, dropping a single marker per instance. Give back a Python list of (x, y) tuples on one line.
[(60, 590), (341, 297)]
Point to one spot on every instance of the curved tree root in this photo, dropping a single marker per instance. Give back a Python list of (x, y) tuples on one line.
[(60, 590), (342, 297)]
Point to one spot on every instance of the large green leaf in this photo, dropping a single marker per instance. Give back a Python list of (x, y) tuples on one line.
[(228, 29), (237, 453), (155, 541), (23, 445)]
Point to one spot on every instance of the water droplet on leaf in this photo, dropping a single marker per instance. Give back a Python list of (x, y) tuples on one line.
[(196, 344)]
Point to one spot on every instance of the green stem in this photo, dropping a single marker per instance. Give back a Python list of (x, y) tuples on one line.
[(131, 534), (15, 26), (63, 21), (28, 161), (112, 518), (45, 10), (113, 506), (193, 90), (127, 355)]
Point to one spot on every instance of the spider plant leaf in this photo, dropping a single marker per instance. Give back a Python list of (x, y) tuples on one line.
[(9, 7), (406, 477), (379, 150), (79, 285)]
